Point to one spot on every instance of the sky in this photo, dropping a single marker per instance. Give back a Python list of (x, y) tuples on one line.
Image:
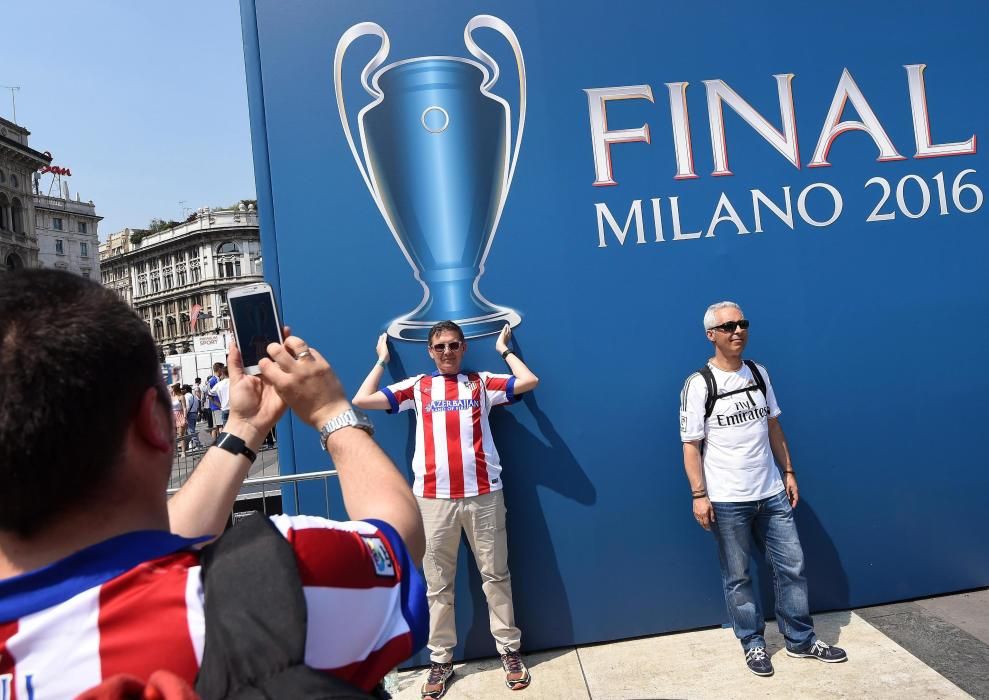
[(144, 101)]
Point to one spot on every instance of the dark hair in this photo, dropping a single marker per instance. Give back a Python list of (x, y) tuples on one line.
[(62, 338), (217, 366), (198, 380), (444, 326)]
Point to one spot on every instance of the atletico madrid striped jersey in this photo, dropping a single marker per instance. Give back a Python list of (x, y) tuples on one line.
[(134, 604), (455, 454)]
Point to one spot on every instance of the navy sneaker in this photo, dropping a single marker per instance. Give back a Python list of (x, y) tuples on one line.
[(820, 651), (758, 661)]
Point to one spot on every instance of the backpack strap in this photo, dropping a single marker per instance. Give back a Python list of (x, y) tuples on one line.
[(712, 390), (256, 620), (760, 381)]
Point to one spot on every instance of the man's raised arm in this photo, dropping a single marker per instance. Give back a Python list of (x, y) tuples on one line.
[(203, 504), (372, 487), (525, 380), (368, 396)]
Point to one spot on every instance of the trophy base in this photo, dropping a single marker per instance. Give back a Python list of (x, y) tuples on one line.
[(415, 330)]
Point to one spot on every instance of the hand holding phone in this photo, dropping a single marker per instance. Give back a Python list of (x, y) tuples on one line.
[(255, 322)]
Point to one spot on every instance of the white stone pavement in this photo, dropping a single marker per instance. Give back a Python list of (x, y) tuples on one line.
[(707, 664)]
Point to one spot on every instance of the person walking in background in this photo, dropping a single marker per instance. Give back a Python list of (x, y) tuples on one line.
[(458, 487), (221, 392), (214, 402), (204, 410), (179, 411), (192, 417), (733, 452)]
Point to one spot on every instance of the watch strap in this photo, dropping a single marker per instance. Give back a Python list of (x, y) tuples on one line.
[(507, 352), (234, 445)]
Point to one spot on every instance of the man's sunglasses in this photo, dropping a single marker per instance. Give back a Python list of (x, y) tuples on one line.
[(441, 347), (730, 326)]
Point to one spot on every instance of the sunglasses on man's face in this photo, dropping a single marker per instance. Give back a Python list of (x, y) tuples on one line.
[(441, 347), (730, 326)]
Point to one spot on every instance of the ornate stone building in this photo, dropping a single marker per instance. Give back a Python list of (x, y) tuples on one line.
[(67, 234), (18, 162), (163, 275)]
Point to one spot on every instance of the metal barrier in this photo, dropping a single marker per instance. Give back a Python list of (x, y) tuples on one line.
[(258, 488)]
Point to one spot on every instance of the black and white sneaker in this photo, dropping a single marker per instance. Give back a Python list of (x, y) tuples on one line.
[(820, 651), (758, 661)]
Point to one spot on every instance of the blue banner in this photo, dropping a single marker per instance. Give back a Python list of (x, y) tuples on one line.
[(596, 175)]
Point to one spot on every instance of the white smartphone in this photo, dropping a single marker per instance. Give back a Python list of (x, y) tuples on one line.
[(255, 321)]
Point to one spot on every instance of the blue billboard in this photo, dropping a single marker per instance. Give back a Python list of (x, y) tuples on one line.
[(596, 175)]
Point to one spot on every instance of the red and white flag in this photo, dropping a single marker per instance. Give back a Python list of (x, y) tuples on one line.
[(194, 315)]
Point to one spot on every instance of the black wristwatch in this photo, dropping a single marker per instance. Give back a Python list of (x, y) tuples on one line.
[(234, 445), (507, 352)]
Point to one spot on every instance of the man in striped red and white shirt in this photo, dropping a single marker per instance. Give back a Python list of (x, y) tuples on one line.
[(99, 574), (458, 486)]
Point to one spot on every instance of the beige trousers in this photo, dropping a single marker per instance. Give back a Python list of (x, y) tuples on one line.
[(483, 519)]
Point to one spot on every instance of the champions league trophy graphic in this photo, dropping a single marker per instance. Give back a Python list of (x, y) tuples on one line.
[(438, 162)]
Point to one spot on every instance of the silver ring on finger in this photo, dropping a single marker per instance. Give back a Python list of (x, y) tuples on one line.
[(304, 353)]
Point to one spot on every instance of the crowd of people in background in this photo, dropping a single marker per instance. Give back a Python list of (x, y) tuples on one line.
[(207, 402)]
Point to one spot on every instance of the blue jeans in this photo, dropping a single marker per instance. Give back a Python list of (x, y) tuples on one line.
[(191, 420), (770, 525)]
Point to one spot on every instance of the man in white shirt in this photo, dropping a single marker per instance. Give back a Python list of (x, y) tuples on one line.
[(732, 445), (221, 390)]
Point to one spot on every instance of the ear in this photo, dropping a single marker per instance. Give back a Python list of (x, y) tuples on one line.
[(154, 422), (464, 347), (710, 335)]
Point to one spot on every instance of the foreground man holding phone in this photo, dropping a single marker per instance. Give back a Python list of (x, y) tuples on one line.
[(100, 574), (458, 487), (730, 429)]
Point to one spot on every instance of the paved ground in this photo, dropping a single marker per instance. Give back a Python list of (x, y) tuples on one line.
[(934, 648)]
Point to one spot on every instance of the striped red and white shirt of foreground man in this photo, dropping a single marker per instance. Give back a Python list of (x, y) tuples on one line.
[(134, 604)]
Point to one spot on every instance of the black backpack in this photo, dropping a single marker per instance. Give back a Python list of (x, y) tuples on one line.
[(256, 621), (712, 386)]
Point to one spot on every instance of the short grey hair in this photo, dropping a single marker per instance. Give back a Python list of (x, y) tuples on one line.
[(710, 320)]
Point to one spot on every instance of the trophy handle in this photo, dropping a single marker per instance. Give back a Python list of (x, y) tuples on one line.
[(499, 25), (348, 38)]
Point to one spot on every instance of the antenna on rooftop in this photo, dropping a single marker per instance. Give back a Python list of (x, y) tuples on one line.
[(13, 102)]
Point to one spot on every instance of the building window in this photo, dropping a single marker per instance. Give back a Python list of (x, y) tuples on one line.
[(13, 181), (155, 285), (228, 247), (196, 274), (84, 249), (85, 273), (59, 246), (142, 287), (56, 223), (16, 214), (182, 277), (168, 280), (82, 227)]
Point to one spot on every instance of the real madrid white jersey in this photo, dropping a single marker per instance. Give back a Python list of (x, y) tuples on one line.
[(738, 460), (455, 455)]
